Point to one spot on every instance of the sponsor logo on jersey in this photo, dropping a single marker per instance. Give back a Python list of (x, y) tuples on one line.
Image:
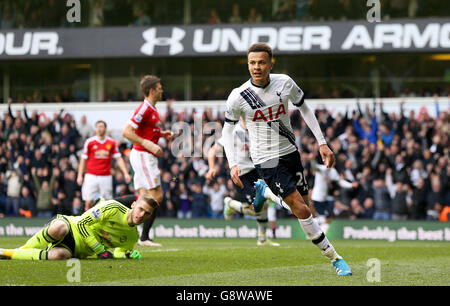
[(270, 113), (102, 154), (96, 213)]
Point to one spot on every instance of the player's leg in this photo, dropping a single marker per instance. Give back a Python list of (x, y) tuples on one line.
[(242, 197), (264, 192), (288, 181), (105, 187), (263, 222), (272, 217), (89, 190), (145, 240), (146, 180), (52, 235)]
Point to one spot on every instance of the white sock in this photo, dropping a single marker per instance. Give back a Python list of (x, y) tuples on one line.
[(315, 234), (268, 194), (243, 208)]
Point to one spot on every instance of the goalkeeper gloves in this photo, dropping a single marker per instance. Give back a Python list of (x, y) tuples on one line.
[(133, 254), (105, 255)]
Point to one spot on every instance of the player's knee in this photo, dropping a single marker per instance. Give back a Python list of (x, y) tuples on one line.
[(59, 254), (58, 230)]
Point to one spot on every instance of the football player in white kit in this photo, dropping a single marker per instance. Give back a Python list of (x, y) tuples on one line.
[(263, 103), (243, 196)]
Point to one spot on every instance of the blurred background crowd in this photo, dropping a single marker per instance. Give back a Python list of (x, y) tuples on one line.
[(400, 161), (98, 13)]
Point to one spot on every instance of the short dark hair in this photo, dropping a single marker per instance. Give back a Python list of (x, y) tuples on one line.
[(149, 200), (261, 47), (101, 121), (149, 82)]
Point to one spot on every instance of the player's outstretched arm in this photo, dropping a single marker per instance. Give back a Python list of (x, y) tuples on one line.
[(311, 121), (128, 254)]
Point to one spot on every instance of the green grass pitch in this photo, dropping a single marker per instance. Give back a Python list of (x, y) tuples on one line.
[(239, 262)]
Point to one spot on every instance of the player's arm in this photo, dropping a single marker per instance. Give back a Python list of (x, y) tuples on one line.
[(83, 160), (81, 168), (212, 161), (121, 164), (228, 145), (125, 253), (297, 97), (232, 117), (84, 226), (129, 133), (313, 124)]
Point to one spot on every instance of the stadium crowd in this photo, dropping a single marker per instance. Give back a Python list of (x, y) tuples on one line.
[(400, 162), (97, 13)]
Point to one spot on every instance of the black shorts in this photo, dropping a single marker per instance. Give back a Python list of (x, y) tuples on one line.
[(286, 176), (246, 194), (68, 242)]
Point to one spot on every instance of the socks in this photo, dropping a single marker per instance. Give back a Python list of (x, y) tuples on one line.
[(147, 226), (243, 208), (25, 254), (315, 234), (268, 194)]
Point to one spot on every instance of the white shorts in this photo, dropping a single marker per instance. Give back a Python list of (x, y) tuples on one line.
[(146, 172), (97, 186)]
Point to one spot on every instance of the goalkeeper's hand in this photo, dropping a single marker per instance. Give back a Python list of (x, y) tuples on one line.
[(105, 255), (133, 254)]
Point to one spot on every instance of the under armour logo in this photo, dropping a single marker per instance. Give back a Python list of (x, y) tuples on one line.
[(279, 187), (174, 41)]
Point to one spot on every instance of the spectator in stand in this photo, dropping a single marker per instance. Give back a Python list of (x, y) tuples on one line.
[(27, 203), (142, 19), (85, 130), (382, 200), (254, 16), (401, 199), (44, 190), (435, 200), (199, 201), (235, 14), (185, 206), (97, 18), (216, 195), (283, 13), (13, 193), (213, 17)]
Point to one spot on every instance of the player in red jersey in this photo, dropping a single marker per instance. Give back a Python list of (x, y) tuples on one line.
[(96, 158), (144, 131)]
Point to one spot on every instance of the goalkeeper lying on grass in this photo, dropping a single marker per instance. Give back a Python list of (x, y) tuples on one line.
[(107, 230)]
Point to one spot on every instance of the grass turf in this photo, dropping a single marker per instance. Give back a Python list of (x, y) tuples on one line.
[(239, 262)]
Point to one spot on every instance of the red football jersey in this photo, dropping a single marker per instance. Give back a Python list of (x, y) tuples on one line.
[(99, 155), (147, 123)]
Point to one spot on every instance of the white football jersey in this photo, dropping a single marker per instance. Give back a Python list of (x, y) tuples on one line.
[(265, 110), (241, 149)]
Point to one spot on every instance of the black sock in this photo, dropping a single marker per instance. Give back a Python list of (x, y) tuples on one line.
[(147, 226)]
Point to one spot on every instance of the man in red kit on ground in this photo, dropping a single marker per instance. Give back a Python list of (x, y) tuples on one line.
[(96, 158), (144, 131)]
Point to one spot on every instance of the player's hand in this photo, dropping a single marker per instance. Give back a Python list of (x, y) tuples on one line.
[(327, 156), (211, 174), (80, 180), (127, 178), (152, 147), (235, 173), (133, 255), (105, 255), (167, 135)]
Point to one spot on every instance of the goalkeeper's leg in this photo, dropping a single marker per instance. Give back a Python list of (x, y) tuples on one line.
[(33, 248)]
